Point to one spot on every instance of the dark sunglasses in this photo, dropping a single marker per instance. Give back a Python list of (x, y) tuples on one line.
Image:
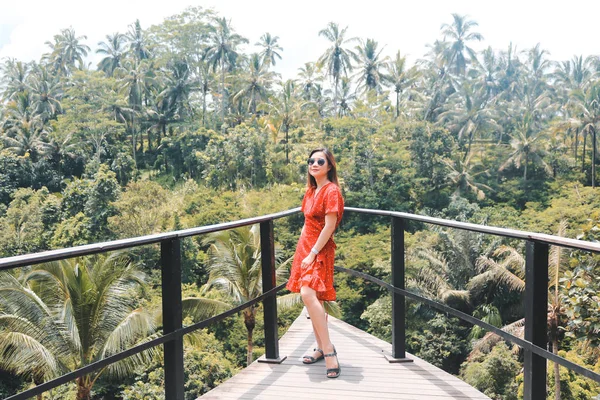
[(320, 161)]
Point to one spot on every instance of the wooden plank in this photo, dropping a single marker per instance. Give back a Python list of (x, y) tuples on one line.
[(366, 374)]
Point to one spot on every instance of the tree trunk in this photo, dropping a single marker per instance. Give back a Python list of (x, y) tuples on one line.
[(83, 390), (222, 90), (593, 157), (204, 108), (250, 322), (583, 153), (287, 150), (556, 371), (397, 104)]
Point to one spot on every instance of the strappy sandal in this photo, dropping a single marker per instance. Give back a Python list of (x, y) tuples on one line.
[(336, 371), (311, 359)]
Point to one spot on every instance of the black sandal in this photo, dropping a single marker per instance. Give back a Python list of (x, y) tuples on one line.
[(337, 371), (311, 359)]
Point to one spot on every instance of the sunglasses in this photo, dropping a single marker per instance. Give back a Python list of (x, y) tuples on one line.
[(320, 161)]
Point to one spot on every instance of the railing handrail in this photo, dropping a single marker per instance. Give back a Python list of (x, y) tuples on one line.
[(492, 230), (94, 248)]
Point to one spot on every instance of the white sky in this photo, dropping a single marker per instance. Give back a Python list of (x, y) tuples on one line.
[(563, 28)]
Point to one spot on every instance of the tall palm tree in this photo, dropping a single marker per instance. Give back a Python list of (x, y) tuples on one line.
[(370, 66), (511, 272), (235, 269), (586, 106), (179, 83), (336, 59), (527, 148), (67, 49), (400, 78), (467, 114), (285, 110), (459, 33), (137, 41), (114, 49), (271, 49), (64, 315), (256, 81), (13, 79), (46, 93), (346, 98), (462, 174), (222, 53), (309, 76)]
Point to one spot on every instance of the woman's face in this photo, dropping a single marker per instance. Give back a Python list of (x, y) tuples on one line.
[(319, 166)]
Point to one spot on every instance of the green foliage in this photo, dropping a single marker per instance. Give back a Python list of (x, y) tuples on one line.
[(204, 368), (440, 341), (493, 374)]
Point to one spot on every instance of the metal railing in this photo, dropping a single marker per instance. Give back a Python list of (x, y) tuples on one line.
[(536, 296)]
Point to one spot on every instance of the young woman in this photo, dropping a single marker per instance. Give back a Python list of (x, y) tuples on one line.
[(312, 268)]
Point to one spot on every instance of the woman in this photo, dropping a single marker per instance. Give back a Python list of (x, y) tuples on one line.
[(312, 268)]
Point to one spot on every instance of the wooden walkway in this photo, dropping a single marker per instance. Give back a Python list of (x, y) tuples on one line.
[(366, 374)]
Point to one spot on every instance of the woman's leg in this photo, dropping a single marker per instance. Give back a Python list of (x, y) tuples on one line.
[(319, 322)]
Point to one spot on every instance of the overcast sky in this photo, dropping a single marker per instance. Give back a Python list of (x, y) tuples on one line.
[(563, 28)]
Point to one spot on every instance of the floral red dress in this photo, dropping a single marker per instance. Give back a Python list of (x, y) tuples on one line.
[(319, 275)]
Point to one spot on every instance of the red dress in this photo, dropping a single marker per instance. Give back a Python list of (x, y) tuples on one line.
[(319, 275)]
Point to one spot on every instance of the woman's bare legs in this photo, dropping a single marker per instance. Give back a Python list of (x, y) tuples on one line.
[(317, 317), (317, 354)]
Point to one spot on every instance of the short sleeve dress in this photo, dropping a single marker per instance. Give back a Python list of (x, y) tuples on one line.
[(319, 275)]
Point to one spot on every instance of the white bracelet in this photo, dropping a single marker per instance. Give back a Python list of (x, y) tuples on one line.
[(314, 251)]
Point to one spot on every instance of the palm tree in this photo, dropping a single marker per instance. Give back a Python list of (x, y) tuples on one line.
[(436, 82), (222, 53), (114, 50), (178, 84), (336, 59), (370, 75), (235, 269), (586, 106), (46, 93), (511, 273), (13, 77), (459, 34), (270, 47), (400, 78), (62, 316), (66, 51), (346, 98), (256, 80), (467, 114), (462, 174), (285, 110), (309, 76), (137, 41), (527, 148), (24, 131)]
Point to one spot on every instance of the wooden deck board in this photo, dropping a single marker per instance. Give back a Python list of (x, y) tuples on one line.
[(366, 374)]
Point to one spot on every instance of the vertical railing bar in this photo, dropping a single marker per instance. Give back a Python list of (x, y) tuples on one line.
[(269, 281), (398, 300), (536, 317), (170, 251)]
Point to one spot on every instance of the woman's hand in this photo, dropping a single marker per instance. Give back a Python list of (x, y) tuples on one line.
[(310, 258)]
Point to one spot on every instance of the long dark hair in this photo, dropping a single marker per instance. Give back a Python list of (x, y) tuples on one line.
[(331, 174)]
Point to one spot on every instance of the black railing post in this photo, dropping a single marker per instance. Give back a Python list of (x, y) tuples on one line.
[(398, 300), (269, 281), (170, 254), (536, 317)]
